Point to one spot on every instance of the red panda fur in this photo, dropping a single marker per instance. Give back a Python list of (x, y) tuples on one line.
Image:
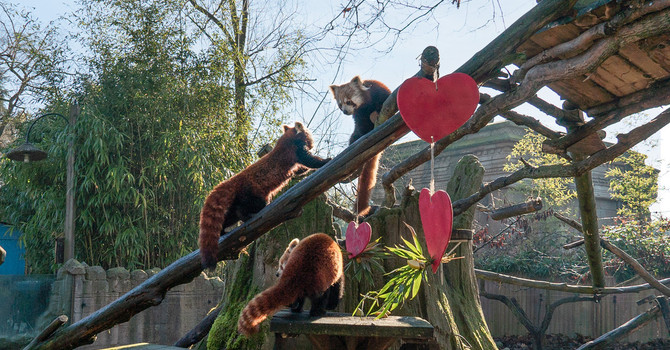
[(246, 193), (284, 257), (364, 100), (314, 270)]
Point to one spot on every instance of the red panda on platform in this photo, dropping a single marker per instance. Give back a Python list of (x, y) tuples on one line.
[(313, 270), (246, 193), (364, 100)]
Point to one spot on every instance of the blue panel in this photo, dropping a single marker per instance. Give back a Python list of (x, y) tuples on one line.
[(14, 262)]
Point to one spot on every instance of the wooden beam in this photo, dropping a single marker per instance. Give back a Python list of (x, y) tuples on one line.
[(639, 269), (590, 227), (530, 206), (607, 339), (500, 52), (563, 287)]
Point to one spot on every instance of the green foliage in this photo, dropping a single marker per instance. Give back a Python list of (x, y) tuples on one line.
[(554, 191), (646, 241), (361, 267), (404, 283), (635, 185), (158, 129)]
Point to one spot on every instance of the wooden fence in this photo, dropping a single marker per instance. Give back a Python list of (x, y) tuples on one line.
[(586, 318)]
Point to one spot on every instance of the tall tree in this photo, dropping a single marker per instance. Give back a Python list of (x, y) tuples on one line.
[(32, 59), (259, 44)]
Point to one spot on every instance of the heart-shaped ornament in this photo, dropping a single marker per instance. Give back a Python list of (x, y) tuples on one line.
[(437, 218), (437, 109), (357, 238)]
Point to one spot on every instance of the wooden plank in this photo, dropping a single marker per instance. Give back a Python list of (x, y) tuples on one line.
[(143, 346), (554, 36), (626, 71), (585, 93), (346, 325), (610, 82), (634, 54)]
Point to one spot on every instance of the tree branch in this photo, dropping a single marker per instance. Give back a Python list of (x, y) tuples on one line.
[(641, 271), (626, 141), (563, 287), (536, 78), (631, 326)]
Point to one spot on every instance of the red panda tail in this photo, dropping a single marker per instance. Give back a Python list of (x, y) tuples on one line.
[(263, 305), (366, 181), (212, 217)]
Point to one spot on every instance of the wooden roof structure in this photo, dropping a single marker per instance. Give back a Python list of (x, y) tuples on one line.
[(637, 66)]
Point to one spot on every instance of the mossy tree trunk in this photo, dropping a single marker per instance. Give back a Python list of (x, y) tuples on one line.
[(450, 299), (459, 275), (252, 273)]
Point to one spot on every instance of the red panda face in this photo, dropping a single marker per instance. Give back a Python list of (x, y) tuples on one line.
[(350, 96), (299, 134)]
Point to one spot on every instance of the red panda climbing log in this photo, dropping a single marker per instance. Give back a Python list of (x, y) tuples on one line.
[(313, 270), (246, 193), (363, 100)]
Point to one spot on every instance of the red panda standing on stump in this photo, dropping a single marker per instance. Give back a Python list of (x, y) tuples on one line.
[(313, 270), (363, 99), (246, 193)]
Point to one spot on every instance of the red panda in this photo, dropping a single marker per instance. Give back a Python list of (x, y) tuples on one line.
[(313, 270), (364, 100), (284, 257), (246, 193)]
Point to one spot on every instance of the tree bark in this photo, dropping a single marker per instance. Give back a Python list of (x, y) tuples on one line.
[(460, 280)]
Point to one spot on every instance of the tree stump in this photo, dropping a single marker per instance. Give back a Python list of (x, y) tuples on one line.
[(255, 271), (450, 299)]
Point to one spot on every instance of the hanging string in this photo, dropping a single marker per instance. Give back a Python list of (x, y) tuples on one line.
[(432, 165)]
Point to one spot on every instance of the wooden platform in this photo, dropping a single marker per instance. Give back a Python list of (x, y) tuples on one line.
[(143, 346), (343, 331)]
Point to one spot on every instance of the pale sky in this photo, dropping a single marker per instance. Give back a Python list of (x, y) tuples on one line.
[(457, 33)]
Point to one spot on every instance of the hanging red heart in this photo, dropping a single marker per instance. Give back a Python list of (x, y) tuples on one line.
[(437, 217), (357, 238), (437, 109)]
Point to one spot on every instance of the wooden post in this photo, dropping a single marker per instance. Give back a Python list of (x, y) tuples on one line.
[(587, 203)]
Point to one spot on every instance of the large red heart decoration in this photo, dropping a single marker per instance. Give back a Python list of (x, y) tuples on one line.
[(357, 238), (437, 217), (437, 109)]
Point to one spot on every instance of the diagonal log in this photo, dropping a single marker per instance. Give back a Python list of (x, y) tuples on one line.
[(641, 271), (607, 339)]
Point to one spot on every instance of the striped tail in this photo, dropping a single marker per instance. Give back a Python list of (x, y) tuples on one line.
[(264, 305), (212, 217), (366, 181)]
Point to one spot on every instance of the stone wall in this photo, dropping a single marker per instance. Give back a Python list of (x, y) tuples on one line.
[(80, 290)]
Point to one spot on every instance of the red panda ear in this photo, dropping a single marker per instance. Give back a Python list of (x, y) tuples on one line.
[(333, 89), (299, 127), (293, 243), (285, 127), (357, 80)]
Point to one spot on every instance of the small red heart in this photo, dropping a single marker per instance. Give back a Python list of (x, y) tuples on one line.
[(437, 217), (437, 109), (357, 238)]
